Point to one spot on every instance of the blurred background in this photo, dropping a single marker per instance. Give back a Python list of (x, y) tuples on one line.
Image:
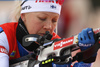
[(75, 15), (5, 10)]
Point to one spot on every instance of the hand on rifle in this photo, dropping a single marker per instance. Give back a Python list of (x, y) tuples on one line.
[(86, 39)]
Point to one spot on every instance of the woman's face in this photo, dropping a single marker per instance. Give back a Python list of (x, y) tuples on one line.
[(40, 22)]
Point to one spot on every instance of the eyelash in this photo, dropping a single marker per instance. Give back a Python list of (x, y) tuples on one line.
[(43, 19), (54, 21)]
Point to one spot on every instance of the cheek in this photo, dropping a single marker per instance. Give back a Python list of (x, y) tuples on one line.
[(53, 28), (33, 27)]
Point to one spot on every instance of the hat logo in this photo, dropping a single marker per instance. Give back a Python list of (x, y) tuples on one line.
[(53, 6), (26, 7)]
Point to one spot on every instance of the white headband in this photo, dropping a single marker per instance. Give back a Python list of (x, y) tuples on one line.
[(33, 6)]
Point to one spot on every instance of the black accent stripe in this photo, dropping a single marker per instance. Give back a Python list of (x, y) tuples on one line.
[(1, 31), (23, 2)]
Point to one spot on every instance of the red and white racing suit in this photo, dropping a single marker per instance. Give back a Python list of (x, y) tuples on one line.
[(8, 43)]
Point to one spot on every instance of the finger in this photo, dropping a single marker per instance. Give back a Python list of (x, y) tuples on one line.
[(85, 34), (79, 37), (91, 34)]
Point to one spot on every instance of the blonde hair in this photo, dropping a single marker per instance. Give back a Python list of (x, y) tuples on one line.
[(15, 14)]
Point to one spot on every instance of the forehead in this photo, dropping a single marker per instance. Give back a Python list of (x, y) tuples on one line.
[(43, 13)]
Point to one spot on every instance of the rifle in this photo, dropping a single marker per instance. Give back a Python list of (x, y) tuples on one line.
[(59, 50)]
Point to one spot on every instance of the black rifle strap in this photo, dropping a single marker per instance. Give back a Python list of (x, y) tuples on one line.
[(27, 57)]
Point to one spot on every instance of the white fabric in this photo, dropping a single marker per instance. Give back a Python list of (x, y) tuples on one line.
[(32, 6), (4, 58), (37, 65), (4, 41)]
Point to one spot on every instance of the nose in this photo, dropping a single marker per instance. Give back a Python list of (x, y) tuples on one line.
[(47, 25)]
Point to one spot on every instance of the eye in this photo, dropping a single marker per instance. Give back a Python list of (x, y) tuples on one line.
[(43, 19), (54, 20)]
